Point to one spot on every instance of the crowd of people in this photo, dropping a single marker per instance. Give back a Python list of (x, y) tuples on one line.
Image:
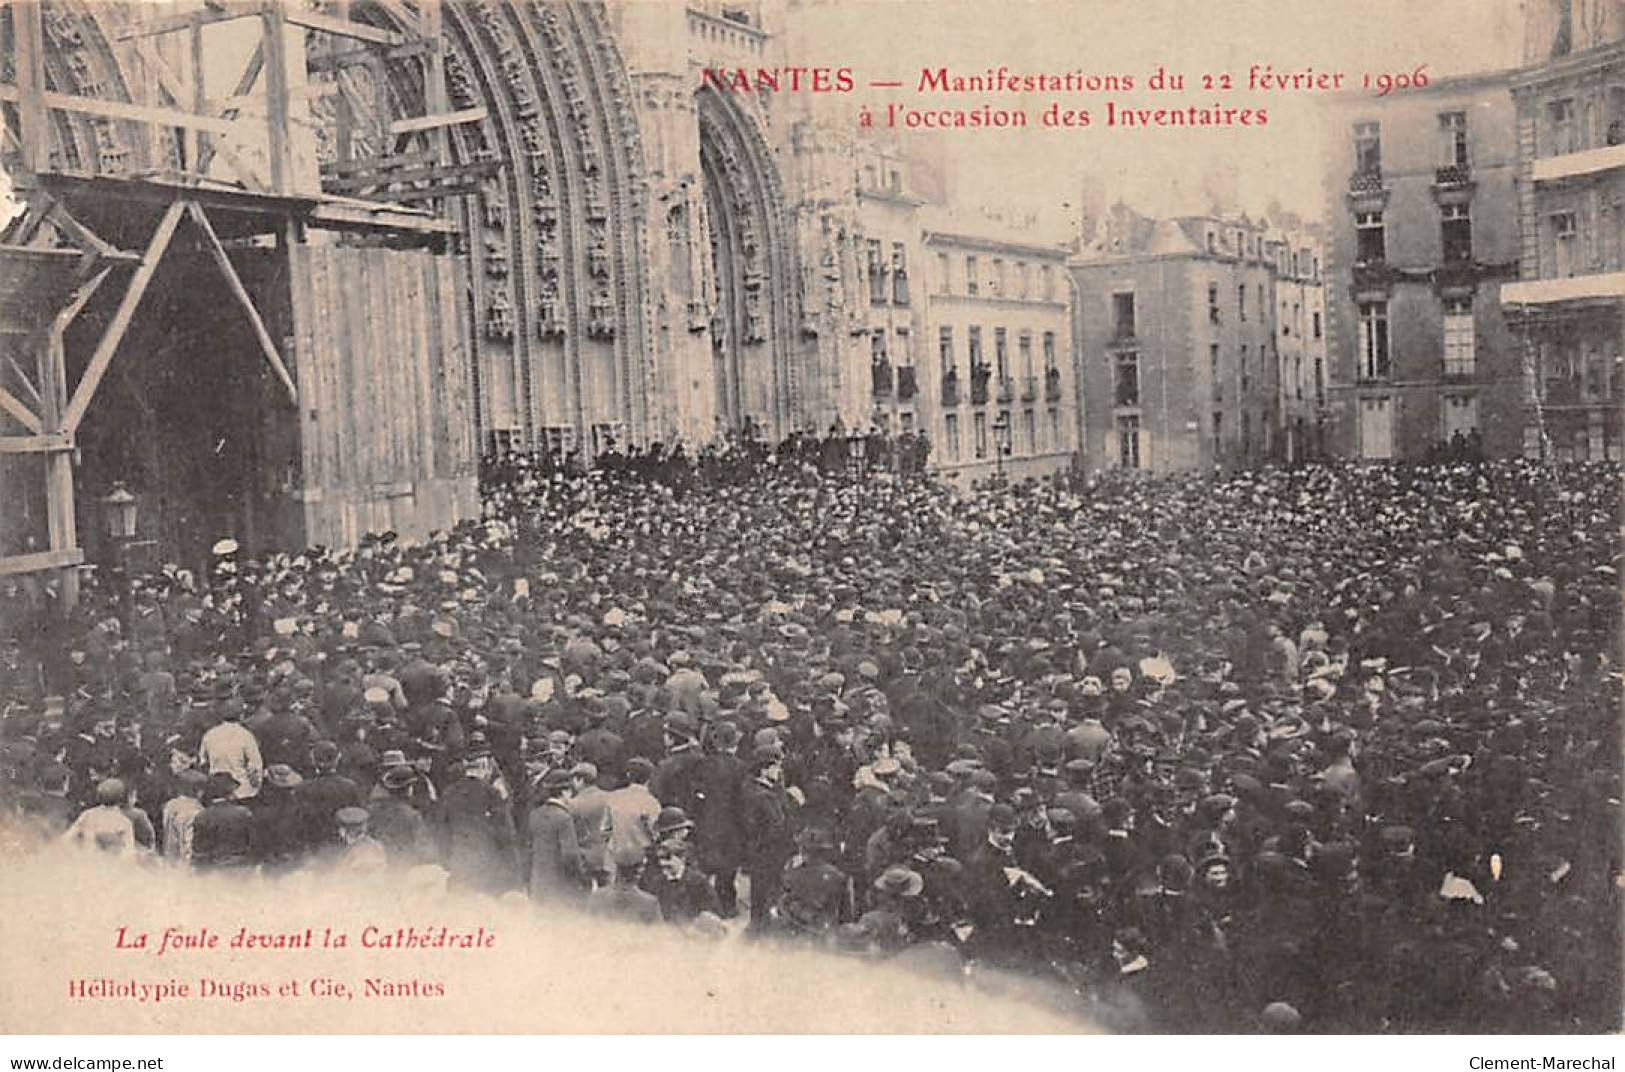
[(1331, 748)]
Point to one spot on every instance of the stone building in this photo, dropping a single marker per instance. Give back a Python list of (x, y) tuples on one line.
[(1565, 308), (1300, 316), (1176, 330), (1422, 229), (1000, 397)]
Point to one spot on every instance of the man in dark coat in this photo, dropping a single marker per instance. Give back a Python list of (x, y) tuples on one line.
[(555, 859), (720, 828), (769, 835), (476, 832), (321, 797), (223, 832)]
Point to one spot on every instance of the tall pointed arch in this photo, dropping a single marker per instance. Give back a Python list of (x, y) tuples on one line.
[(759, 374)]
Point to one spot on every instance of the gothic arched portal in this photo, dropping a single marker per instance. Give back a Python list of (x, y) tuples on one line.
[(758, 375)]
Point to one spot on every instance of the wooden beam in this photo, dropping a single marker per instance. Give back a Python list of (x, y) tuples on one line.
[(240, 292), (49, 443), (245, 82), (197, 141), (415, 174), (113, 109), (116, 327), (25, 416), (33, 392), (380, 164), (333, 61), (80, 297), (22, 232), (28, 36), (272, 22), (436, 122), (172, 23), (310, 20), (83, 236), (41, 560)]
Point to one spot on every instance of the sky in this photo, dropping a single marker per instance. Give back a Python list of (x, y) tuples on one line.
[(1157, 171)]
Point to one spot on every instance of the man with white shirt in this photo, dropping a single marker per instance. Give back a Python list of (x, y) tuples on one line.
[(230, 748)]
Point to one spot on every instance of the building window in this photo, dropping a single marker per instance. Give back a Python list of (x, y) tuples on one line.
[(1213, 302), (1453, 136), (1459, 343), (1368, 148), (559, 440), (1374, 340), (1565, 244), (1029, 424), (1456, 227), (975, 348), (1022, 280), (1128, 442), (1317, 323), (1055, 427), (896, 181), (1214, 372), (1218, 435), (1049, 351), (899, 272), (1246, 434), (906, 421), (973, 285), (1246, 372), (1460, 419), (1212, 242), (945, 350), (1241, 302), (1046, 285), (1123, 316), (1001, 355), (950, 427), (1126, 379), (1565, 135), (1024, 348), (1370, 242), (1320, 381), (944, 275), (877, 273), (981, 435), (1377, 428)]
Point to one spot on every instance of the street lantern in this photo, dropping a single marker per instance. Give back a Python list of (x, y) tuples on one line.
[(119, 508)]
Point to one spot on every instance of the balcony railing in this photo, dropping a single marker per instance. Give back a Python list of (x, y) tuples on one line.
[(950, 389), (907, 385), (1029, 388), (880, 375), (1365, 182), (1460, 368), (1052, 385), (1453, 175), (1006, 389), (978, 384)]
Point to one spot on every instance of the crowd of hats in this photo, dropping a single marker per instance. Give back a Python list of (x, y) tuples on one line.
[(1331, 746)]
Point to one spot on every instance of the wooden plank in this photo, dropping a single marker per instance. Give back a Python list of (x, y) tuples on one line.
[(424, 27), (429, 172), (112, 109), (376, 163), (310, 20), (48, 443), (437, 121), (25, 416), (408, 197), (77, 302), (103, 355), (174, 23), (240, 292), (333, 61), (40, 560)]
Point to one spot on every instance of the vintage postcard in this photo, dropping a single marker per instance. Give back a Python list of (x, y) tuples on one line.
[(780, 516)]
